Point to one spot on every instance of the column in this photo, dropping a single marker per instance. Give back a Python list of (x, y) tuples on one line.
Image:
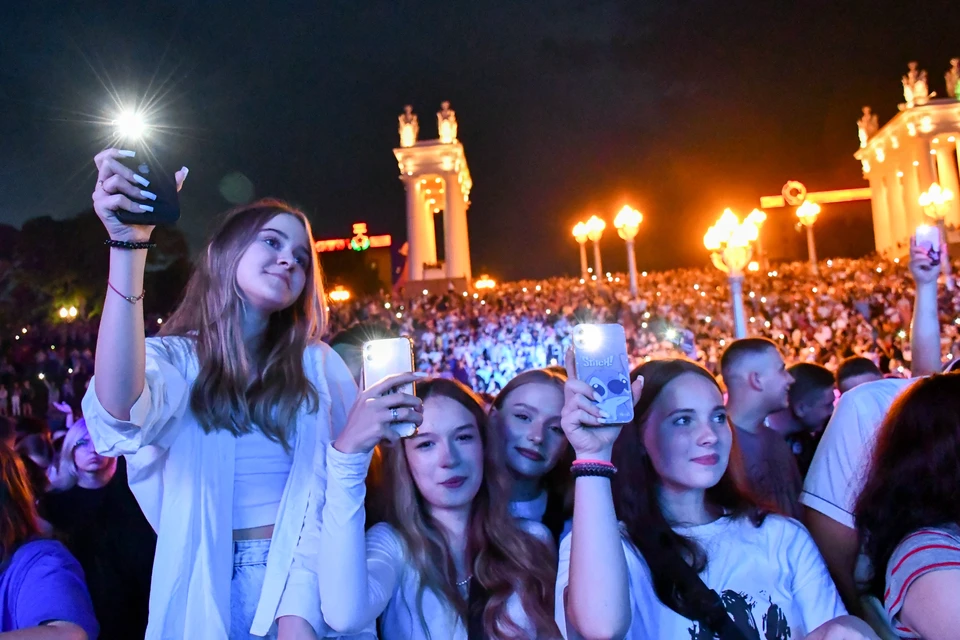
[(881, 214), (899, 235), (915, 175), (455, 234), (429, 232), (947, 177), (926, 176), (416, 230)]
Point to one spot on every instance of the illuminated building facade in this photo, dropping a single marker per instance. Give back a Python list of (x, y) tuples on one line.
[(916, 148)]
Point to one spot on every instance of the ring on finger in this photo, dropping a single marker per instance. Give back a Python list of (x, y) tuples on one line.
[(395, 414), (99, 184)]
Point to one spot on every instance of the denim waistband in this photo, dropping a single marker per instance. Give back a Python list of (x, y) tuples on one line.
[(247, 552)]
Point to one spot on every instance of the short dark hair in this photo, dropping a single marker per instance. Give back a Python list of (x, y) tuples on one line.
[(739, 350), (808, 378), (857, 366)]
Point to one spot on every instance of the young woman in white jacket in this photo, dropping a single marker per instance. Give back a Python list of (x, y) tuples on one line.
[(449, 562), (224, 418)]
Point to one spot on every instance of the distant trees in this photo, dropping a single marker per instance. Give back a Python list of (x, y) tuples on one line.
[(50, 263)]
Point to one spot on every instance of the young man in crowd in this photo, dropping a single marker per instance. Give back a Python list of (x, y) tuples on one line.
[(856, 370), (811, 398), (757, 383)]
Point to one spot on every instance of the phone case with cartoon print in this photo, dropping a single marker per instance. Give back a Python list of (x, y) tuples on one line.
[(600, 351)]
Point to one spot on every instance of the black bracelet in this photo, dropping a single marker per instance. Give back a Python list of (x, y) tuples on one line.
[(124, 244), (580, 470)]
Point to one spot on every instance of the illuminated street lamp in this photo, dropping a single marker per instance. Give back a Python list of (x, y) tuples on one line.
[(580, 233), (729, 243), (757, 218), (936, 204), (807, 214), (595, 227), (627, 223), (485, 282)]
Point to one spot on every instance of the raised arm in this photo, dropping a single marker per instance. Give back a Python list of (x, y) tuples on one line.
[(120, 358), (925, 327), (596, 600), (358, 573)]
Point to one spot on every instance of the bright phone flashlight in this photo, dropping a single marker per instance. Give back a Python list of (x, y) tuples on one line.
[(130, 125), (588, 337)]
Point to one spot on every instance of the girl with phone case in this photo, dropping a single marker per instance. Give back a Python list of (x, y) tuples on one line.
[(673, 482), (223, 419), (448, 561)]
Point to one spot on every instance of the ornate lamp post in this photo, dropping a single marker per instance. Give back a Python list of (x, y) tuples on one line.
[(757, 218), (580, 233), (729, 243), (936, 204), (595, 227), (627, 223), (807, 214)]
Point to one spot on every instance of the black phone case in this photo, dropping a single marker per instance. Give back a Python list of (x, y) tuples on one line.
[(163, 183)]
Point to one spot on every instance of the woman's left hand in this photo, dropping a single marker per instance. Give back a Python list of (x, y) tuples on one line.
[(294, 628), (843, 628)]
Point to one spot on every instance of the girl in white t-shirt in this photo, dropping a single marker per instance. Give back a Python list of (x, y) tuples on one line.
[(677, 492), (449, 561), (526, 415)]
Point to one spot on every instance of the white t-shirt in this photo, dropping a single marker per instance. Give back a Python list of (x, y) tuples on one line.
[(530, 509), (840, 465), (771, 579)]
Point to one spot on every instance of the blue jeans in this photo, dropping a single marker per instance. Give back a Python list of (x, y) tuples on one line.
[(249, 569)]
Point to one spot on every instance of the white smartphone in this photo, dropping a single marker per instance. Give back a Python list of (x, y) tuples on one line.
[(382, 358), (600, 351), (928, 237)]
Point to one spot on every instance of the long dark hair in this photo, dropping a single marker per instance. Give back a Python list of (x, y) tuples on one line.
[(505, 559), (915, 471), (18, 512), (635, 488), (557, 482)]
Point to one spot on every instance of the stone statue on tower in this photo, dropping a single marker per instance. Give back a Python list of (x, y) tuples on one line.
[(915, 88), (409, 127), (867, 125), (953, 78), (447, 123)]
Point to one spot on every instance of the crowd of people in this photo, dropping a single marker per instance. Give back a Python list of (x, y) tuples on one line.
[(234, 477)]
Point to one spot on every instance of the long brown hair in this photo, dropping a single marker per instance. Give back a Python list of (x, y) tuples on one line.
[(915, 471), (636, 482), (223, 396), (557, 482), (504, 558), (18, 513)]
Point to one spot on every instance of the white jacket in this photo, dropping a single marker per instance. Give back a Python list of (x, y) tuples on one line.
[(183, 479)]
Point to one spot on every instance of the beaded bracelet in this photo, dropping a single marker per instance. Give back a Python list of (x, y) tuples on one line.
[(125, 244), (582, 468)]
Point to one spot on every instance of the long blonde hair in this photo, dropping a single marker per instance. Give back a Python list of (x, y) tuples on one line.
[(504, 558), (223, 396)]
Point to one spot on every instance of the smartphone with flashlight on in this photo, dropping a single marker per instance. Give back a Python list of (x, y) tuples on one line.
[(928, 237), (382, 358), (161, 181), (600, 354)]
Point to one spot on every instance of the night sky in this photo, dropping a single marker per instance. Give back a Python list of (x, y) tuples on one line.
[(566, 108)]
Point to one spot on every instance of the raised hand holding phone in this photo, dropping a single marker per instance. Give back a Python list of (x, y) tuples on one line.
[(122, 193), (387, 357), (926, 247), (581, 415), (376, 410)]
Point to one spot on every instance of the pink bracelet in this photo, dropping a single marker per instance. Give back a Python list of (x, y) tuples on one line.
[(599, 462)]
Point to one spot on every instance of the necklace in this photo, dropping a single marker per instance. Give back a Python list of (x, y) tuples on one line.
[(464, 582)]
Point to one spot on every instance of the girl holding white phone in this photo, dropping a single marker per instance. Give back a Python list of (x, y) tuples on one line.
[(449, 560)]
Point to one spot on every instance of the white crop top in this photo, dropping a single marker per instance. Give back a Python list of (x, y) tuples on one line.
[(260, 474)]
